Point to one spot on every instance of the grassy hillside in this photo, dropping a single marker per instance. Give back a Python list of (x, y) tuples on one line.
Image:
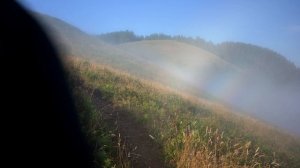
[(178, 65), (72, 41), (181, 55), (191, 132), (256, 80), (146, 59), (265, 61), (253, 59)]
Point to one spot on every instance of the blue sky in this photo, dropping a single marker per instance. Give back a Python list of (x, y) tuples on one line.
[(274, 24)]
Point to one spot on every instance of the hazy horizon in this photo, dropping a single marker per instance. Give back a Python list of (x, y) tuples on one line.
[(273, 25), (246, 91), (258, 82)]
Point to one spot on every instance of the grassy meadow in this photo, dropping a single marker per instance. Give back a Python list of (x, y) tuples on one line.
[(192, 132)]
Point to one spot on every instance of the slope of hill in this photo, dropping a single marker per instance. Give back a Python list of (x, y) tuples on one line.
[(156, 63), (185, 62), (250, 78), (262, 60), (270, 86), (267, 85), (72, 41), (245, 56), (244, 85), (180, 124), (191, 132)]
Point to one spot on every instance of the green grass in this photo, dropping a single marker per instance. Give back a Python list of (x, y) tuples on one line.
[(193, 132), (94, 129)]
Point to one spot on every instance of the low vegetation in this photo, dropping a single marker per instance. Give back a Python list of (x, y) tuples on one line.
[(94, 128), (191, 131)]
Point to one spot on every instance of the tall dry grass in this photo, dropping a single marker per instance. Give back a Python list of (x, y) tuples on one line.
[(213, 150), (189, 128)]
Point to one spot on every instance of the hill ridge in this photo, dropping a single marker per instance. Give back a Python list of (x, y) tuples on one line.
[(267, 88), (180, 122)]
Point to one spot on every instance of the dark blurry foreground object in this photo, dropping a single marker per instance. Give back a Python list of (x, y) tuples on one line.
[(41, 128)]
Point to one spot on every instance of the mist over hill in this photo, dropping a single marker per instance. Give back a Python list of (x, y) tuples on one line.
[(256, 80)]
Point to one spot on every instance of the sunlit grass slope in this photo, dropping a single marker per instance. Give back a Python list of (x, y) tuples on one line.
[(193, 132)]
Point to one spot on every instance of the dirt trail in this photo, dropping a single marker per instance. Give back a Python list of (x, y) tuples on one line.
[(142, 149)]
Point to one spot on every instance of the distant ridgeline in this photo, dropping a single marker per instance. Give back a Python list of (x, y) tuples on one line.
[(246, 56), (255, 79), (120, 37), (249, 57)]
